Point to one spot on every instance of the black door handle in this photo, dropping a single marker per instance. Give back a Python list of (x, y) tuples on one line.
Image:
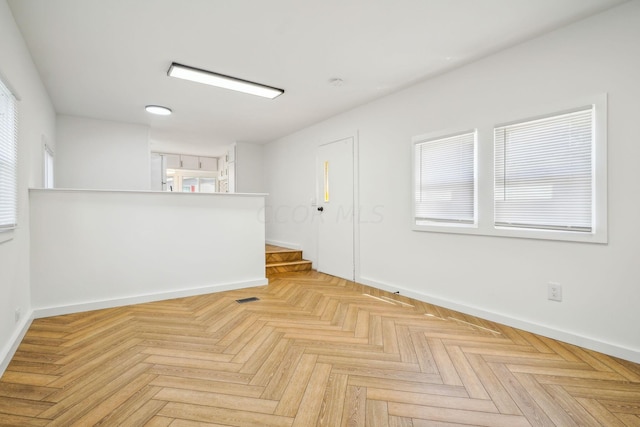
[(320, 208)]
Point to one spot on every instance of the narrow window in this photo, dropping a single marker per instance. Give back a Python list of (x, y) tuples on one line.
[(8, 159), (444, 180)]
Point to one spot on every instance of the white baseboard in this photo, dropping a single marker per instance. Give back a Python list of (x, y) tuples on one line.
[(10, 348), (140, 299), (557, 334), (284, 244)]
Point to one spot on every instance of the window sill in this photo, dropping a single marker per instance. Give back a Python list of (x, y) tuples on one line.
[(521, 233)]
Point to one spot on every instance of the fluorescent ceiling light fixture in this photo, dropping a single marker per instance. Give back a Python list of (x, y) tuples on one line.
[(158, 109), (220, 80)]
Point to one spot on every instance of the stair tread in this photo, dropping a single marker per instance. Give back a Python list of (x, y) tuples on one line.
[(275, 249), (282, 260), (280, 264)]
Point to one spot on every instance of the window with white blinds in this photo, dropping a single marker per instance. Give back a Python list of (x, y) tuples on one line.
[(544, 173), (444, 180), (8, 159)]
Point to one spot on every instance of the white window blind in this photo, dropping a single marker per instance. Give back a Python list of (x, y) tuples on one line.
[(543, 173), (8, 158), (445, 180)]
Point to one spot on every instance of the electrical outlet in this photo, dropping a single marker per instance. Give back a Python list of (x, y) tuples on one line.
[(18, 314), (554, 291)]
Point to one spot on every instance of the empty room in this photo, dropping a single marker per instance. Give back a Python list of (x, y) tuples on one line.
[(299, 213)]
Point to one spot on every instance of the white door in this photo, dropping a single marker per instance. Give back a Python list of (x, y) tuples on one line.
[(336, 209)]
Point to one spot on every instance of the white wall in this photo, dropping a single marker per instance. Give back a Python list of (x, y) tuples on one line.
[(100, 154), (95, 249), (503, 279), (36, 120), (249, 168)]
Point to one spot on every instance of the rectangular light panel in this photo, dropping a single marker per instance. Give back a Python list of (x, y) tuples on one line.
[(219, 80)]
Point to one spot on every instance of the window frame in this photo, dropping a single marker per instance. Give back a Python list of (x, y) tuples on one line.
[(485, 176), (178, 175), (522, 176), (443, 225), (7, 228)]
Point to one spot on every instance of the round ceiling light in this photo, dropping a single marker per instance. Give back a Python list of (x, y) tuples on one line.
[(158, 109)]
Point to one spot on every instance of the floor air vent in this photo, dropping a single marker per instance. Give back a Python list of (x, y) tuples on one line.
[(250, 299)]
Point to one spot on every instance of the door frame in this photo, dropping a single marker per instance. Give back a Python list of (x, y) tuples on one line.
[(355, 137)]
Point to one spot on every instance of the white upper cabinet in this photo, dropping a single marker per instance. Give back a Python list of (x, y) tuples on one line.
[(189, 162), (196, 163), (172, 160), (208, 163)]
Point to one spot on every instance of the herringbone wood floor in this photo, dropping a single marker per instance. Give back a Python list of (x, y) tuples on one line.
[(315, 350)]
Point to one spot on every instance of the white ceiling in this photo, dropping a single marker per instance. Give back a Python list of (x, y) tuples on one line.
[(107, 59)]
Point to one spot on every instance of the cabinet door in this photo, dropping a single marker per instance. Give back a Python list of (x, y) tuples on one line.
[(208, 163), (190, 162), (172, 160)]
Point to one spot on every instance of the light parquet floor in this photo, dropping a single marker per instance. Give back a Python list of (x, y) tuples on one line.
[(315, 350)]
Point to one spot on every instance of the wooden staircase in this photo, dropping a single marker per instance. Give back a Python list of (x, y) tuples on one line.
[(282, 260)]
